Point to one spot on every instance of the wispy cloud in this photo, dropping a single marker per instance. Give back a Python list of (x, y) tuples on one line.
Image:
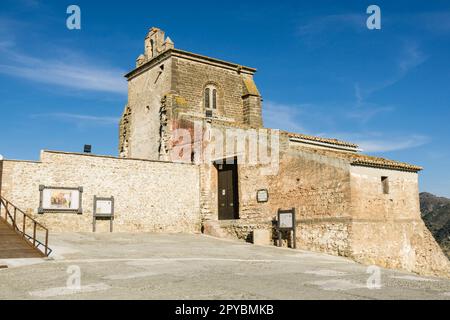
[(331, 23), (377, 142), (393, 144), (67, 69), (283, 116), (299, 118), (313, 29), (435, 22), (79, 119), (67, 74), (411, 57), (363, 113)]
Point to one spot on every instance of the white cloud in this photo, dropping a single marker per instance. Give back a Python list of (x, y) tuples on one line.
[(80, 119), (332, 23), (389, 144), (367, 112), (70, 75), (412, 57), (283, 116), (67, 69), (377, 142), (286, 117)]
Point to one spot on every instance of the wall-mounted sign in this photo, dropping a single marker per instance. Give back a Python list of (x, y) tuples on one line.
[(104, 207), (262, 195), (286, 220), (60, 199)]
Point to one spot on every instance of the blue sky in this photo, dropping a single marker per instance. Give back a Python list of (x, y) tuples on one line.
[(320, 71)]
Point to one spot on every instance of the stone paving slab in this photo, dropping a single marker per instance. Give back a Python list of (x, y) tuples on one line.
[(182, 266)]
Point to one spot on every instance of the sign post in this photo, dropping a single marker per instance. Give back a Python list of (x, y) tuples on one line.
[(287, 222)]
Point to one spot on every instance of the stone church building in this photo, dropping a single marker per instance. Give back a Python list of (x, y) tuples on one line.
[(194, 156)]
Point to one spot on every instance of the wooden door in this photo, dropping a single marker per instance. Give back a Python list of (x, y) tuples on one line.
[(227, 192)]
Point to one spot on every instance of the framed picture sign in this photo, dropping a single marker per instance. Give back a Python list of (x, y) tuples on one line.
[(60, 199)]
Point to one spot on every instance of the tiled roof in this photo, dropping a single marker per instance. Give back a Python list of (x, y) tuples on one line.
[(364, 160), (322, 140), (357, 159), (354, 158)]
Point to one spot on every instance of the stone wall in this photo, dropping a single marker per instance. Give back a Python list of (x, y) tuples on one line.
[(316, 185), (387, 228), (191, 77), (341, 209), (150, 196), (145, 91)]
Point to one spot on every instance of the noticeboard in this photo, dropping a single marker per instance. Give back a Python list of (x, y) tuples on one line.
[(286, 219)]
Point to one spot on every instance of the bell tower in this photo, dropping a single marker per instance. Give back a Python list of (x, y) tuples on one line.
[(155, 43)]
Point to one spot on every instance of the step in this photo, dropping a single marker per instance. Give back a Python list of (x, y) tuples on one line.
[(11, 240), (9, 234), (16, 246), (19, 253)]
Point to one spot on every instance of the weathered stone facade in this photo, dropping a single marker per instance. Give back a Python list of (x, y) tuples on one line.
[(150, 196), (184, 107), (337, 192)]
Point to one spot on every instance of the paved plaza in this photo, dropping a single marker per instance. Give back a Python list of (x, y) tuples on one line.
[(182, 266)]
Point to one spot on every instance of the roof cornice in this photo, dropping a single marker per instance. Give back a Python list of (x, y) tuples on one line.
[(190, 56)]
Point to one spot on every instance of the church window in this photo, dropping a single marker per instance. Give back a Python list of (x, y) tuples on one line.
[(214, 99), (210, 97), (207, 98)]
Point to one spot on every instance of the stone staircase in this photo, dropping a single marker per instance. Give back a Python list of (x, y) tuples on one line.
[(19, 234), (13, 245)]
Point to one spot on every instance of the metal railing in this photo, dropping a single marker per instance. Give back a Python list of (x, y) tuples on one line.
[(21, 222)]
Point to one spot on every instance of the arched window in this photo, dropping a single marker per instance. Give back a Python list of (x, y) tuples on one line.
[(210, 97), (207, 98), (214, 99)]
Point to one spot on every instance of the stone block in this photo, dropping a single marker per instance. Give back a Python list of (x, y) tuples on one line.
[(262, 237)]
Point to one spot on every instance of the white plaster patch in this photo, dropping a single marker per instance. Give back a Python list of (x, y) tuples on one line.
[(326, 273), (13, 263), (413, 278), (125, 276), (322, 258), (59, 251), (338, 285), (64, 291)]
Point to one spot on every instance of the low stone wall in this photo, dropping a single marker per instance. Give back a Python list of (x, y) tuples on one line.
[(150, 196)]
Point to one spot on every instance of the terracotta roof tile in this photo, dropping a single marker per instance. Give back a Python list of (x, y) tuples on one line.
[(365, 160), (322, 140), (358, 159)]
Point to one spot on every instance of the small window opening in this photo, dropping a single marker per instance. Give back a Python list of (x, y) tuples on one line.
[(385, 184)]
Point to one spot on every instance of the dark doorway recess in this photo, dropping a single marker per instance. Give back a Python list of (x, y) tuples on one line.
[(228, 196)]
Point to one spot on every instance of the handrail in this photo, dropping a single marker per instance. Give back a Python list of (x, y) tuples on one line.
[(31, 239)]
